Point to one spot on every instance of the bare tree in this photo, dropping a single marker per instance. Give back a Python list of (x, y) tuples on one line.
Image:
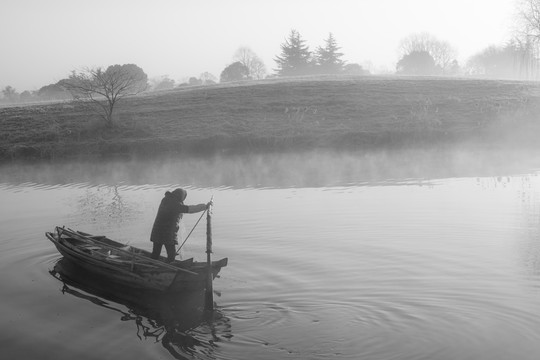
[(527, 38), (10, 94), (208, 78), (251, 61), (163, 82), (526, 57), (441, 51), (258, 69), (529, 14), (515, 60), (105, 88)]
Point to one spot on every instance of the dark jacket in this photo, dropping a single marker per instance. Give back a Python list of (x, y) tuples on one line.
[(166, 225)]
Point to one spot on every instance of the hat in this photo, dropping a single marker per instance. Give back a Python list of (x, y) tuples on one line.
[(180, 193)]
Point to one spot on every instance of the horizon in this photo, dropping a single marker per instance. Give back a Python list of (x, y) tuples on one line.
[(185, 39)]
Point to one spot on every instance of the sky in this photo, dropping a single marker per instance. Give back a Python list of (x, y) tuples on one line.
[(42, 41)]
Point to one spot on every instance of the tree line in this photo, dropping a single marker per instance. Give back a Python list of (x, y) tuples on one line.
[(420, 54), (295, 59)]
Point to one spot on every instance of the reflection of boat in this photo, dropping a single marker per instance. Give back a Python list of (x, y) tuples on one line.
[(131, 266), (177, 320)]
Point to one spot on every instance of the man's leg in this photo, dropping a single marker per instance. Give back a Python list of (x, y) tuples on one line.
[(171, 252), (156, 250)]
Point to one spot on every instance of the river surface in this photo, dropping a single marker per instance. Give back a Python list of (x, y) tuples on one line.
[(332, 255)]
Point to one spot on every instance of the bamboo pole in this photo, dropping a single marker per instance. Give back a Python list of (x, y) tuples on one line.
[(209, 294)]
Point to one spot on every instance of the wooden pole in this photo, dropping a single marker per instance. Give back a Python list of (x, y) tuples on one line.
[(209, 294)]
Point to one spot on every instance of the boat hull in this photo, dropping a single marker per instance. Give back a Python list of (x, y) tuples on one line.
[(138, 270)]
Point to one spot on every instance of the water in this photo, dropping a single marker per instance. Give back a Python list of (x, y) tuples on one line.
[(341, 255)]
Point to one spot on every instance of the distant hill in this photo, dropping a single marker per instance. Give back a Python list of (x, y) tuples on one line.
[(282, 114)]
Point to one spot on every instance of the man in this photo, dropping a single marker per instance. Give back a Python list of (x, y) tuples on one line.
[(166, 225)]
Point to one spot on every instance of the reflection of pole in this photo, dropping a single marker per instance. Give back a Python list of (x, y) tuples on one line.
[(209, 294)]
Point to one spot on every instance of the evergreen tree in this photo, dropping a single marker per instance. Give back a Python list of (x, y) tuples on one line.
[(328, 58), (295, 56)]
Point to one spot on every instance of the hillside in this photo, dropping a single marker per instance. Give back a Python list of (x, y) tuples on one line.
[(277, 114)]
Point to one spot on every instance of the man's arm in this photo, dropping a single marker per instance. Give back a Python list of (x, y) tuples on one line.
[(197, 208)]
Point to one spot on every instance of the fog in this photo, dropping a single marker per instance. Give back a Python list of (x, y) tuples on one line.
[(317, 168), (47, 40)]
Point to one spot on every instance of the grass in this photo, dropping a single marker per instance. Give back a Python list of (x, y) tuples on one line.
[(277, 114)]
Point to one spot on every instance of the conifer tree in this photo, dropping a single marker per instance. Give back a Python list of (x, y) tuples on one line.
[(328, 58), (295, 56)]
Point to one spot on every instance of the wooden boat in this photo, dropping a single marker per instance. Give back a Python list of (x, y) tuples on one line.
[(131, 266)]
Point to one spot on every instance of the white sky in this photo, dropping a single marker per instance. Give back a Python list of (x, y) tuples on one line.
[(41, 41)]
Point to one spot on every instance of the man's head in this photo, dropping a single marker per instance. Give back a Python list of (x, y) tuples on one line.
[(180, 194)]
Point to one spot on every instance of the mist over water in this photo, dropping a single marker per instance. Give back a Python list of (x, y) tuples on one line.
[(410, 254), (316, 168)]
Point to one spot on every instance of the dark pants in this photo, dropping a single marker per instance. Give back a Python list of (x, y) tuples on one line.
[(171, 251)]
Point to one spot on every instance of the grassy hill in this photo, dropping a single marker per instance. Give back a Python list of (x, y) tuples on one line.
[(278, 114)]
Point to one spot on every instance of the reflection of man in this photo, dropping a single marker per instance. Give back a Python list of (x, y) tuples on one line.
[(166, 225)]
